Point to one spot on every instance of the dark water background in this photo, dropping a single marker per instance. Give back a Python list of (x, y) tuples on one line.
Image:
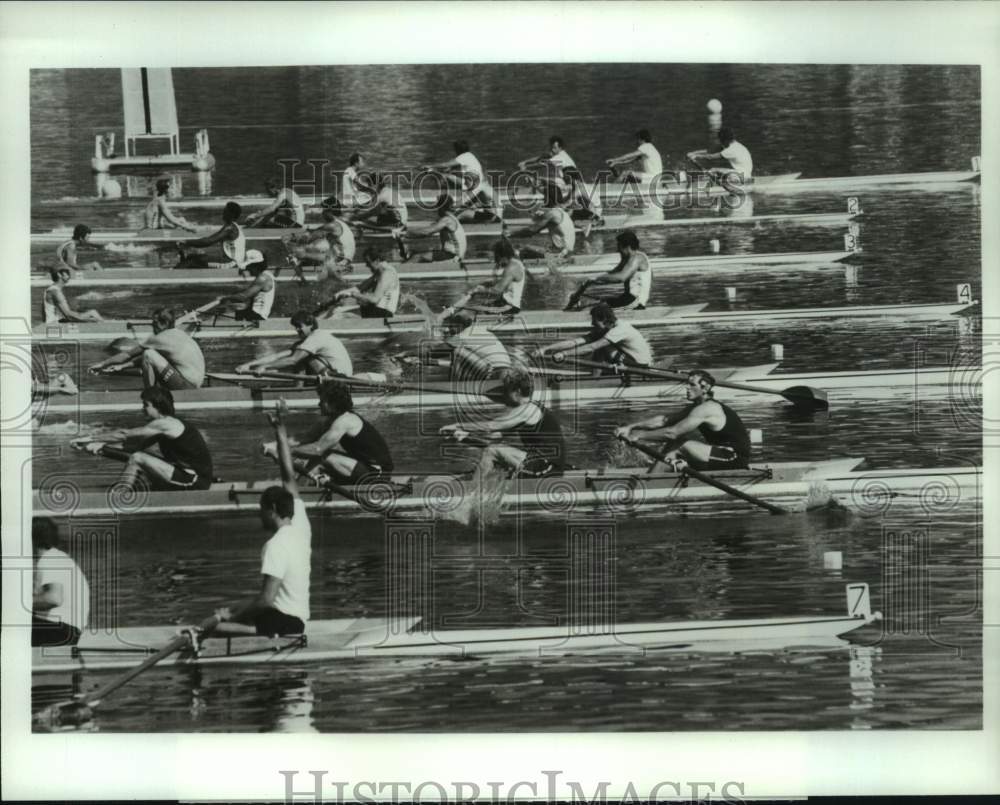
[(821, 120)]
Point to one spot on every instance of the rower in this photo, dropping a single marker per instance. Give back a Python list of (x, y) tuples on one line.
[(740, 164), (559, 165), (331, 243), (503, 295), (184, 462), (386, 209), (465, 174), (558, 222), (725, 441), (285, 211), (158, 214), (611, 341), (55, 307), (633, 271), (356, 182), (473, 353), (317, 352), (448, 228), (377, 296), (256, 300), (229, 235), (282, 605), (61, 596), (543, 448), (66, 252), (350, 448), (585, 203), (170, 357), (650, 164)]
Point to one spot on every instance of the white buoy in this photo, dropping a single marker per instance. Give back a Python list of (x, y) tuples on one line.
[(714, 246), (833, 560), (731, 293), (777, 352), (714, 106), (756, 436)]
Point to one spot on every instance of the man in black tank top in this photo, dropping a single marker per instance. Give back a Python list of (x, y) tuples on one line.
[(184, 461), (349, 448), (543, 448), (724, 443)]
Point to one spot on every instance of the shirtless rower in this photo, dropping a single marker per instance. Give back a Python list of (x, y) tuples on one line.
[(555, 219), (348, 447), (649, 166), (377, 297), (543, 448), (503, 295), (66, 253), (55, 307), (184, 461), (170, 357), (633, 271), (158, 214), (725, 441), (611, 341), (740, 164), (282, 605), (465, 173), (230, 236), (330, 245), (286, 210), (317, 352), (448, 228), (254, 303)]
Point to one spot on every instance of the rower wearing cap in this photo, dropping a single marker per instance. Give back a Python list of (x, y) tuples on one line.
[(556, 220), (448, 228), (724, 442), (158, 215), (184, 461), (317, 352), (170, 357), (543, 448), (611, 341), (230, 236), (350, 448), (503, 295), (282, 605), (740, 164), (633, 271), (286, 210), (378, 296), (55, 307), (254, 302), (465, 173), (649, 163), (66, 252)]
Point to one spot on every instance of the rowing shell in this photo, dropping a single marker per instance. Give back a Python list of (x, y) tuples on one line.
[(371, 638), (780, 183), (566, 391), (524, 322), (618, 490)]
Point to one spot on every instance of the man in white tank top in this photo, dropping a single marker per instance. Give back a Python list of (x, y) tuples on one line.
[(229, 236), (633, 271), (739, 170), (330, 245), (254, 302), (56, 308), (557, 221), (503, 295), (377, 297), (453, 241), (465, 173), (287, 209), (648, 163)]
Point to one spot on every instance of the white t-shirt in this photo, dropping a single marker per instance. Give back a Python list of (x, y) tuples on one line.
[(562, 159), (324, 344), (287, 556), (650, 163), (630, 341), (56, 567), (739, 158), (470, 165)]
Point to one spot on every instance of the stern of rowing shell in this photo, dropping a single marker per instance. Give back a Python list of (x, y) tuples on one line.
[(859, 604)]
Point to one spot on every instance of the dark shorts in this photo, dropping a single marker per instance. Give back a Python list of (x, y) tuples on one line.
[(51, 633), (186, 478), (374, 312), (623, 300), (539, 467), (248, 314), (724, 457), (273, 622), (498, 305)]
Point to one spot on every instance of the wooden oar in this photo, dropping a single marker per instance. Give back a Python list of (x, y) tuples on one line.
[(80, 711), (191, 314), (658, 456), (802, 396)]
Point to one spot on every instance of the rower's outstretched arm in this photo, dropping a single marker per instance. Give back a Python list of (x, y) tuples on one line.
[(427, 231), (562, 346), (631, 156), (284, 449), (119, 358), (168, 216), (208, 240)]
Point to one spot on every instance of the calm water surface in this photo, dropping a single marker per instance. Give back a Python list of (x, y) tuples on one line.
[(823, 121)]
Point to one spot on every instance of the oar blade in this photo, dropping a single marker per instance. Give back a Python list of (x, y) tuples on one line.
[(806, 397)]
